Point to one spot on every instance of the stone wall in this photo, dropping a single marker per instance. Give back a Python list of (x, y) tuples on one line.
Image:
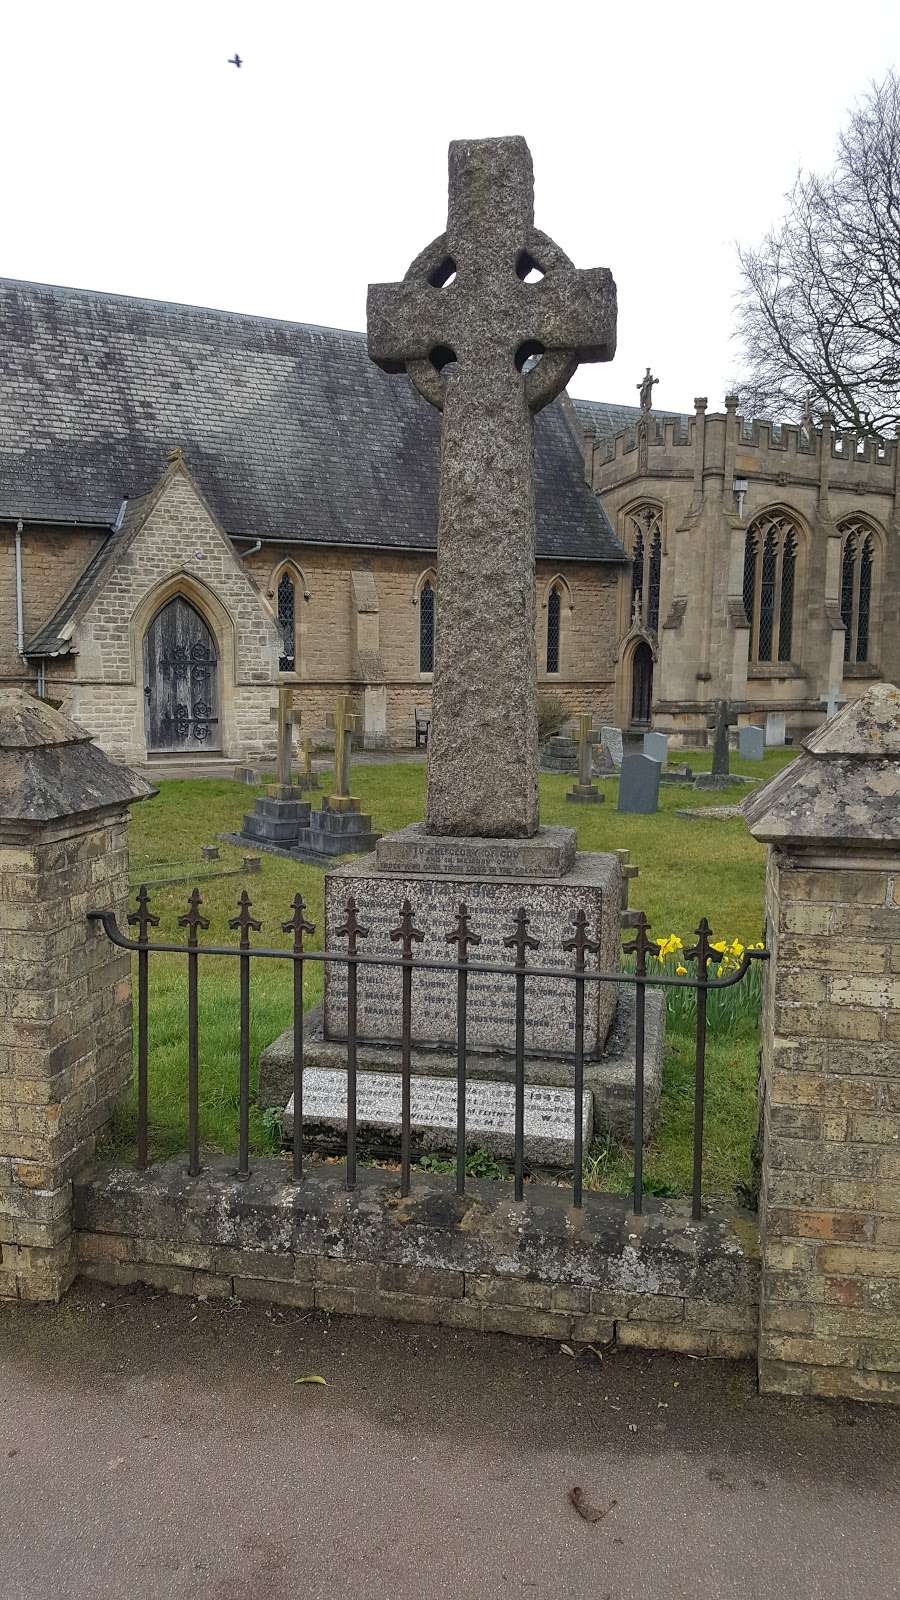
[(52, 559), (659, 1281)]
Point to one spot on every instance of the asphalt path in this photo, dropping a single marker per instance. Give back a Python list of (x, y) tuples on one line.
[(157, 1447)]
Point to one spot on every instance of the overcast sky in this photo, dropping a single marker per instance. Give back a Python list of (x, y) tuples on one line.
[(137, 160)]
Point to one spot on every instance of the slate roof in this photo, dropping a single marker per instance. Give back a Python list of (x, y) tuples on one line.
[(290, 430), (604, 420)]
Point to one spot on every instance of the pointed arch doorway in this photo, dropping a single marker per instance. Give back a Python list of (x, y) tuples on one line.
[(181, 680), (641, 684)]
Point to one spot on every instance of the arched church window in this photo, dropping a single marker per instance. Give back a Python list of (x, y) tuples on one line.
[(770, 579), (554, 612), (857, 571), (426, 627), (644, 540), (287, 595)]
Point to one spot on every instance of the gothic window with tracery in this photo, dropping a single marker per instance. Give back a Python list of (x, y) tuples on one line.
[(857, 569), (770, 577), (426, 627), (554, 613), (287, 595), (645, 545)]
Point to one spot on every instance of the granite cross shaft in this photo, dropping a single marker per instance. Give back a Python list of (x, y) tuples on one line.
[(488, 348), (345, 725), (287, 719)]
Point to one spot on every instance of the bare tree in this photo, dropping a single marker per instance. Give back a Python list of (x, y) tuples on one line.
[(819, 305)]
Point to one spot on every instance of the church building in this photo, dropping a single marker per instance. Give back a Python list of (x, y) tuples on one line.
[(194, 502)]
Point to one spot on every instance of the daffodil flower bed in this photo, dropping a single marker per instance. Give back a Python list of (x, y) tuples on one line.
[(725, 1008)]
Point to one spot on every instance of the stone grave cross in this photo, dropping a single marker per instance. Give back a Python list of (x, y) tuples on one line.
[(287, 718), (724, 719), (490, 323), (587, 738), (345, 725)]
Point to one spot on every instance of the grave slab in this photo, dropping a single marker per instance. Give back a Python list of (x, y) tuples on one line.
[(639, 785), (490, 1113)]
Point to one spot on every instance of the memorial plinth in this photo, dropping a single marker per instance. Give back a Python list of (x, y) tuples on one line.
[(591, 884)]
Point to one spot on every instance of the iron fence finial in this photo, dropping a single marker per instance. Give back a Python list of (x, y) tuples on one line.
[(297, 924), (142, 919), (521, 941)]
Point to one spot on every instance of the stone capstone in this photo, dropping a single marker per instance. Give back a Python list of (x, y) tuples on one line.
[(49, 768)]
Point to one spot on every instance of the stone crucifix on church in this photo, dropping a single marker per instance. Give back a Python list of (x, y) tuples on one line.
[(490, 323)]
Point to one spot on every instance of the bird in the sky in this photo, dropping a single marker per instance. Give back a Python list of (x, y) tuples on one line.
[(235, 60)]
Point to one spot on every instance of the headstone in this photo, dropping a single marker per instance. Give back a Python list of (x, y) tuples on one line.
[(751, 743), (483, 762), (612, 741), (657, 746), (339, 828), (639, 785), (775, 729), (584, 791)]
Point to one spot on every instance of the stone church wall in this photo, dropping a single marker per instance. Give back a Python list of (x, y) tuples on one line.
[(52, 559)]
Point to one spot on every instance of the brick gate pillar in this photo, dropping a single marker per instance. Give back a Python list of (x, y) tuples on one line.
[(830, 1087), (65, 991)]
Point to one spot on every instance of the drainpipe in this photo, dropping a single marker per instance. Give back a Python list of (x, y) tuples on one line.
[(20, 609), (242, 555)]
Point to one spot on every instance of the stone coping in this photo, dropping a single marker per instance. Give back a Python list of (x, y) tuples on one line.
[(480, 1260), (550, 853)]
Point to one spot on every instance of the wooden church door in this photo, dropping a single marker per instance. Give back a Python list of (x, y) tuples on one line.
[(641, 683), (181, 689)]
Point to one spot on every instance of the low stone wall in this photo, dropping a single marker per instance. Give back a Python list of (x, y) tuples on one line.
[(479, 1261)]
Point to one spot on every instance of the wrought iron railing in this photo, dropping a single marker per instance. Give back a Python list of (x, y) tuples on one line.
[(407, 935)]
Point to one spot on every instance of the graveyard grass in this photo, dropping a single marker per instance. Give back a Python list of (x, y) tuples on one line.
[(688, 868)]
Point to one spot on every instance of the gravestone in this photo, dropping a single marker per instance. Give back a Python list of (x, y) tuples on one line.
[(278, 816), (612, 741), (657, 746), (775, 729), (338, 828), (751, 743), (584, 791), (468, 330), (306, 778), (639, 785)]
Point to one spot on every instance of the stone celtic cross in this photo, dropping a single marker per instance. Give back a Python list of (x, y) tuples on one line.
[(345, 725), (488, 348)]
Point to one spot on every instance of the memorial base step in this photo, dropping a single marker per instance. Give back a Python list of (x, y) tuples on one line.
[(490, 1114)]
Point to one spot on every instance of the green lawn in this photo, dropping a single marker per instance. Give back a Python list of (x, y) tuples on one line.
[(688, 869)]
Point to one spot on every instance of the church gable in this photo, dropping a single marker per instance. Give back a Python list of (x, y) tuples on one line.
[(174, 547)]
